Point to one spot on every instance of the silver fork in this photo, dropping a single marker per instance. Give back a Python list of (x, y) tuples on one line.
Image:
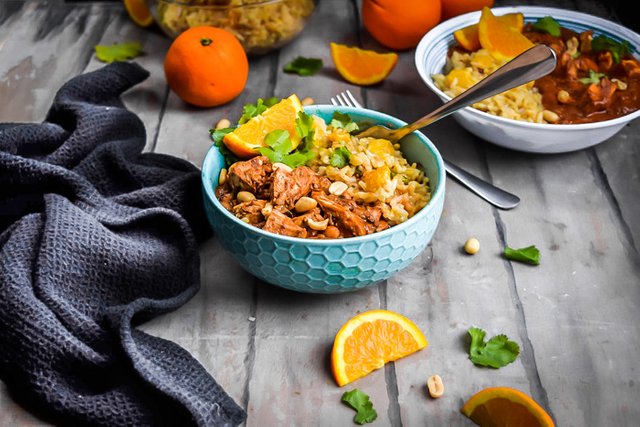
[(488, 192)]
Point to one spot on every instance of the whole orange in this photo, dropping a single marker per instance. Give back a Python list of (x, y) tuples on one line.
[(400, 24), (451, 8), (206, 66)]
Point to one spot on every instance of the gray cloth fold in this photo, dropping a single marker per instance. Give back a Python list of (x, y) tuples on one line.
[(95, 237)]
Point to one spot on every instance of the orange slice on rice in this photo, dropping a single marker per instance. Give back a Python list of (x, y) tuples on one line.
[(371, 339), (469, 39), (500, 39), (505, 407), (247, 137), (139, 12), (362, 67)]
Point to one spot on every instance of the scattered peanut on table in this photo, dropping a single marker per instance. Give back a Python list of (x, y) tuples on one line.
[(435, 386), (307, 101), (223, 123), (472, 246)]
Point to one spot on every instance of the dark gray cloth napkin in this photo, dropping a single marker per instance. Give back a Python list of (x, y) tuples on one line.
[(96, 237)]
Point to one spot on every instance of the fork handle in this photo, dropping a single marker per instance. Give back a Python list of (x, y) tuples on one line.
[(532, 64), (492, 194)]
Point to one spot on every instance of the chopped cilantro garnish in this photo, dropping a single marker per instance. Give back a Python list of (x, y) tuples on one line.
[(618, 49), (547, 25), (251, 110), (499, 351), (362, 404), (118, 51), (303, 66), (530, 254), (339, 157), (594, 78), (342, 120), (278, 149)]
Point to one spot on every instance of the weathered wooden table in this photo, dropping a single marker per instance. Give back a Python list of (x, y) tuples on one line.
[(576, 315)]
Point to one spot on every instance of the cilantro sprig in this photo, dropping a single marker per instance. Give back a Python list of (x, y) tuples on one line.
[(547, 25), (340, 157), (498, 352), (251, 110), (618, 49), (118, 52), (344, 121), (279, 145), (303, 66), (362, 404), (529, 255), (594, 78)]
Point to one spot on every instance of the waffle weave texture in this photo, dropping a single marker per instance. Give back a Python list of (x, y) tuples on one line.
[(96, 237)]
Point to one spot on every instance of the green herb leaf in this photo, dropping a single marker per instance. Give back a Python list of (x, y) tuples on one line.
[(340, 157), (594, 78), (217, 135), (342, 120), (547, 25), (118, 51), (530, 254), (499, 351), (303, 66), (618, 49), (278, 145), (361, 403), (251, 110)]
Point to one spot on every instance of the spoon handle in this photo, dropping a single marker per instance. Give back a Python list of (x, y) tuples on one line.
[(490, 193), (532, 64)]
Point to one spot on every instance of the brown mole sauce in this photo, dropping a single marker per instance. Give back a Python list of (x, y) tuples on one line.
[(589, 102)]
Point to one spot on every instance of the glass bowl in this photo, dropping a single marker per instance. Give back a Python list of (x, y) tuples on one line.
[(260, 25)]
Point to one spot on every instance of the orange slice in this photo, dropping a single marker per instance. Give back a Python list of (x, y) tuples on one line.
[(371, 339), (500, 39), (362, 67), (247, 137), (469, 39), (139, 12), (505, 407)]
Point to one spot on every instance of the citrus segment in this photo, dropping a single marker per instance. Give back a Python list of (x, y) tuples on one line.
[(371, 339), (139, 12), (360, 66), (247, 137), (502, 40), (505, 407), (468, 37)]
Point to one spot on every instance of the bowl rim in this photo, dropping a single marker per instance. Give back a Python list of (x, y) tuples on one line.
[(378, 117), (450, 25)]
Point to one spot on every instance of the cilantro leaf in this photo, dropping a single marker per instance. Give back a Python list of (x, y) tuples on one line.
[(361, 403), (594, 78), (303, 66), (547, 25), (217, 135), (340, 157), (278, 145), (118, 51), (251, 110), (304, 129), (499, 351), (618, 49), (530, 254), (342, 120)]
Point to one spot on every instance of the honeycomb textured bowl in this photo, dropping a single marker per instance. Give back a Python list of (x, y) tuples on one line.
[(336, 265)]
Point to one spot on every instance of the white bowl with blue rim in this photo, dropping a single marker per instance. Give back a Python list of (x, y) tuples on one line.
[(331, 265), (430, 59)]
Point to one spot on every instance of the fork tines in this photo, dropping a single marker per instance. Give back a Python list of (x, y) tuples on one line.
[(346, 99)]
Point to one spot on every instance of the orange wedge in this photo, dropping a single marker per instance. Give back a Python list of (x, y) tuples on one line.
[(371, 339), (139, 12), (469, 39), (362, 67), (500, 39), (247, 137), (505, 407)]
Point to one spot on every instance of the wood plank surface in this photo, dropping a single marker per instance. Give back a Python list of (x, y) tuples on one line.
[(575, 316)]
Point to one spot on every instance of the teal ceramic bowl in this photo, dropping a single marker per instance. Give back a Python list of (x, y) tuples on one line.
[(335, 265)]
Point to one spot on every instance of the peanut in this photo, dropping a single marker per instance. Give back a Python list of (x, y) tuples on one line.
[(564, 97), (222, 178), (223, 123), (621, 85), (266, 211), (318, 225), (337, 188), (550, 116), (307, 101), (245, 196), (332, 232), (472, 246), (278, 165), (435, 386), (305, 204)]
